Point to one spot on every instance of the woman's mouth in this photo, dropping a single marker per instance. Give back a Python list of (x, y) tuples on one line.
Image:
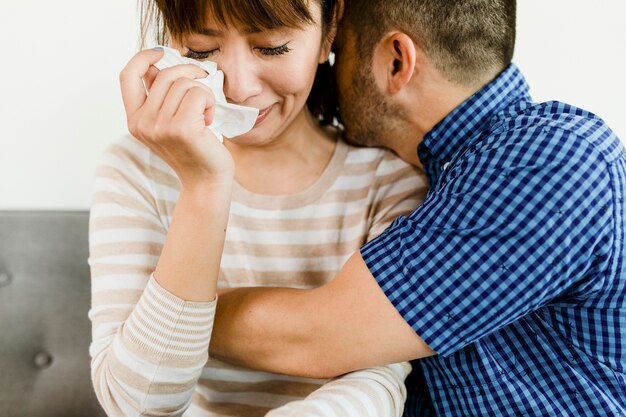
[(263, 115)]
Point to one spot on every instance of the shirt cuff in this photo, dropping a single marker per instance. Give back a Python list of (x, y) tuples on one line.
[(165, 325)]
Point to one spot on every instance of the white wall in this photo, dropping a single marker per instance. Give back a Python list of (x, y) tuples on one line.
[(60, 104), (575, 51), (59, 99)]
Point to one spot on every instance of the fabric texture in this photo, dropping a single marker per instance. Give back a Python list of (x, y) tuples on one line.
[(512, 269), (150, 349), (42, 273)]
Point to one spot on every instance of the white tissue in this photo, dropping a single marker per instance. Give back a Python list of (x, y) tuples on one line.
[(229, 120)]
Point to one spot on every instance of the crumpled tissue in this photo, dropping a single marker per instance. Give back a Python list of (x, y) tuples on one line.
[(229, 120)]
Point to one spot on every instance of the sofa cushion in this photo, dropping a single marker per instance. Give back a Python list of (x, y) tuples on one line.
[(44, 329)]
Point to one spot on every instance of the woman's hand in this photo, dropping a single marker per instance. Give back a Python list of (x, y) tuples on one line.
[(172, 119)]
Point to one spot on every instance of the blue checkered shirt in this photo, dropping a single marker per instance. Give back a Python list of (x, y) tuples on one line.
[(512, 269)]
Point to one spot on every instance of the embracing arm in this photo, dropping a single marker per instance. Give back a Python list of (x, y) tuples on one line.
[(344, 325)]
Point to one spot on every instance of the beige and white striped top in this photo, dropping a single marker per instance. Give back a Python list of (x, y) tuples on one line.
[(150, 349)]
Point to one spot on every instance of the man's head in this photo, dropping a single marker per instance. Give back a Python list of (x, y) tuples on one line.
[(399, 57)]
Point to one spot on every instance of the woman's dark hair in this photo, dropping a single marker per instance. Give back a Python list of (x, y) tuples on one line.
[(175, 18)]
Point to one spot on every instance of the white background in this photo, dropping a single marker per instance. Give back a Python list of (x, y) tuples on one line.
[(60, 104)]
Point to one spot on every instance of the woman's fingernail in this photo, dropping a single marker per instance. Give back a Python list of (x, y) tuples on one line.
[(157, 48)]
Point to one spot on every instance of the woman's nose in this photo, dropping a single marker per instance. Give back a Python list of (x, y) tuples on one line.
[(241, 81)]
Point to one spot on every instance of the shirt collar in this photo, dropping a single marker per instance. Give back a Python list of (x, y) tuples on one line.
[(469, 119)]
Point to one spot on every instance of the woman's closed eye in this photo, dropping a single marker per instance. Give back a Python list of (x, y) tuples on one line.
[(199, 55), (279, 50)]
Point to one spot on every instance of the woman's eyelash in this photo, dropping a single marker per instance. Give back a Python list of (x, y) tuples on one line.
[(199, 54), (279, 50)]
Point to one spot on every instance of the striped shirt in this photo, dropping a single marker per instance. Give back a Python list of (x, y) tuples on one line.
[(150, 349), (513, 267)]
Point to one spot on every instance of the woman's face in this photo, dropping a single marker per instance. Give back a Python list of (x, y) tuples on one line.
[(271, 70)]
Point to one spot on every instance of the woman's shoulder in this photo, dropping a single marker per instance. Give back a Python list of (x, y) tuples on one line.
[(128, 149), (128, 153), (380, 160), (130, 167)]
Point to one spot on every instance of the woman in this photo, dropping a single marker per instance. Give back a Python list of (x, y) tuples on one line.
[(164, 234)]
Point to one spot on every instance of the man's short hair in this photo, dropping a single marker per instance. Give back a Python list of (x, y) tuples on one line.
[(468, 41)]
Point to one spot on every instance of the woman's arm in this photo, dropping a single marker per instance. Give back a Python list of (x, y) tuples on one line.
[(148, 346), (172, 122), (372, 392), (153, 286)]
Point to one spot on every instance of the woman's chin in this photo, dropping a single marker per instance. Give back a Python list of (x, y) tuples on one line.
[(247, 139), (259, 135)]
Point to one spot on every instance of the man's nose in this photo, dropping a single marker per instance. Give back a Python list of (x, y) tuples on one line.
[(241, 80)]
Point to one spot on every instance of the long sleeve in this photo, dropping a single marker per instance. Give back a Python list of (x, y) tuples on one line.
[(148, 346), (372, 392)]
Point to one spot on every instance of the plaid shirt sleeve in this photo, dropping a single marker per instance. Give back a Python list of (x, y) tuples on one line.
[(510, 226)]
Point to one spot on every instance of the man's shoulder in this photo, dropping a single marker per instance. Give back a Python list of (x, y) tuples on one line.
[(529, 140), (558, 125)]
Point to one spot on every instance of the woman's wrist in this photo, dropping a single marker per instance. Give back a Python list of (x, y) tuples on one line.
[(199, 191), (189, 263)]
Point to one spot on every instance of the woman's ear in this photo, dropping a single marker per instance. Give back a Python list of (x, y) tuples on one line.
[(339, 10), (396, 55), (331, 32)]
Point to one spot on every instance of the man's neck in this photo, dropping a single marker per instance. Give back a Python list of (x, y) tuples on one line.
[(438, 98)]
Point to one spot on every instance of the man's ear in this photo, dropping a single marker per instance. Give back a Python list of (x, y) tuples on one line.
[(396, 55), (331, 33)]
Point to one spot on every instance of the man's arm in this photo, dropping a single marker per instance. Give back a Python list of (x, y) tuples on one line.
[(345, 325)]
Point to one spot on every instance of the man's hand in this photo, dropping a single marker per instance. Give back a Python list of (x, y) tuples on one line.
[(345, 325)]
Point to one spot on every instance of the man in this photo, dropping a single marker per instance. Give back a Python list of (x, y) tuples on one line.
[(507, 285)]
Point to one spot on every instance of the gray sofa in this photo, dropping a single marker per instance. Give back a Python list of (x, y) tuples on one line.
[(44, 329)]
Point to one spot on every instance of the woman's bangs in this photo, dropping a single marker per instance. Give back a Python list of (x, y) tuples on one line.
[(256, 15)]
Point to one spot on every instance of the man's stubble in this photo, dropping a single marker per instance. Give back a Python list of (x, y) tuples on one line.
[(369, 118)]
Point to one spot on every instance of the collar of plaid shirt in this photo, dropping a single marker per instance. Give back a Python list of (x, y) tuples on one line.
[(465, 123)]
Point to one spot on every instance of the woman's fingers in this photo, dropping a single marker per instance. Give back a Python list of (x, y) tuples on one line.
[(140, 74), (170, 118), (175, 95), (150, 76), (184, 114), (164, 81), (131, 80), (196, 107), (149, 113)]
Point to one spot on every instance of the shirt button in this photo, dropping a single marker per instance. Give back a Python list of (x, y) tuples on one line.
[(445, 165)]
